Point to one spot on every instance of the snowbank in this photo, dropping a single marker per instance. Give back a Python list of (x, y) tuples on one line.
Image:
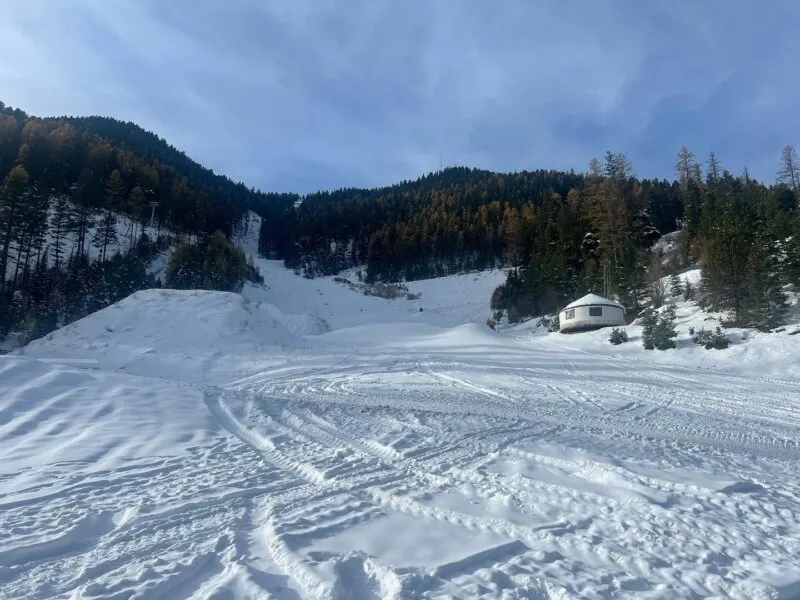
[(175, 334), (57, 414)]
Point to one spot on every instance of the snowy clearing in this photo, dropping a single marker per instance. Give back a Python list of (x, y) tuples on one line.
[(310, 442)]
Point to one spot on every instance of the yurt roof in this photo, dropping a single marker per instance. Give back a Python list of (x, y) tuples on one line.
[(593, 300)]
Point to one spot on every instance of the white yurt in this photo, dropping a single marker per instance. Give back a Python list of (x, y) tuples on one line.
[(590, 312)]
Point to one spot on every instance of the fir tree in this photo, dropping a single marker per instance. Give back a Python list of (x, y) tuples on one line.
[(59, 227), (766, 303), (789, 173), (649, 323), (686, 167), (659, 329), (713, 169), (12, 196), (676, 285), (106, 234)]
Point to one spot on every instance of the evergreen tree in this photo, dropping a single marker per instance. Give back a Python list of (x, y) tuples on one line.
[(727, 241), (595, 169), (713, 169), (677, 288), (789, 173), (81, 220), (649, 323), (59, 227), (12, 199), (106, 233), (765, 304), (686, 167), (659, 329)]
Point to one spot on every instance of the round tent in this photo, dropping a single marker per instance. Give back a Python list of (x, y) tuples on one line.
[(590, 312)]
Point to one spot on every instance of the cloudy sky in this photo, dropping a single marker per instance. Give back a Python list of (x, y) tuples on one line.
[(299, 95)]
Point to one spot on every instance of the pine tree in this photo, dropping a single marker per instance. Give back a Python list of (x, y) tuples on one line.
[(686, 168), (595, 169), (136, 200), (665, 329), (81, 220), (789, 173), (676, 285), (59, 225), (12, 199), (713, 169), (649, 324), (693, 207), (659, 329), (106, 234), (766, 304), (618, 166), (727, 239)]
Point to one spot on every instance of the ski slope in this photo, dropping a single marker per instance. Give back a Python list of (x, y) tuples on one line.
[(306, 441)]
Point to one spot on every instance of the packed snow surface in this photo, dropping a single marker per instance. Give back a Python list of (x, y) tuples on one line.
[(313, 442)]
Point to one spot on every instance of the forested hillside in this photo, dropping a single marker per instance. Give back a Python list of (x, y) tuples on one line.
[(563, 234), (68, 182), (744, 234), (76, 195)]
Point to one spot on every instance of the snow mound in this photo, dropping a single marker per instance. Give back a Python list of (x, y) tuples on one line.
[(175, 334), (54, 414)]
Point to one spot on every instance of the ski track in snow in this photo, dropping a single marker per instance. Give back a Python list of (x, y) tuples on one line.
[(526, 480), (432, 463)]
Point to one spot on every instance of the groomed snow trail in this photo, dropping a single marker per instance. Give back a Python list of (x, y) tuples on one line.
[(392, 461), (557, 473)]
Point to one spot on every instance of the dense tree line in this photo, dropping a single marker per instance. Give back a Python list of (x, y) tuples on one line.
[(744, 234), (562, 234)]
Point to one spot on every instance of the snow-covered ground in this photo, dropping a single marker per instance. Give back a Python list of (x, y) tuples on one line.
[(307, 441)]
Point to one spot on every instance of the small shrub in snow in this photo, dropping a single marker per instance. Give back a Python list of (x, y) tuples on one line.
[(551, 324), (719, 341), (618, 336), (384, 290), (659, 329), (414, 296), (491, 323), (715, 340)]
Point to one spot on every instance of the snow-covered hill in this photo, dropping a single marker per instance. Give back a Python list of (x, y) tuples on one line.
[(309, 441)]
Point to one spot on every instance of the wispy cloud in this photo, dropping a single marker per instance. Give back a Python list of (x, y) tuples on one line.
[(307, 94)]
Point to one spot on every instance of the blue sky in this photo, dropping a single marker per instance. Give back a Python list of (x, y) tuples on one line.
[(300, 95)]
